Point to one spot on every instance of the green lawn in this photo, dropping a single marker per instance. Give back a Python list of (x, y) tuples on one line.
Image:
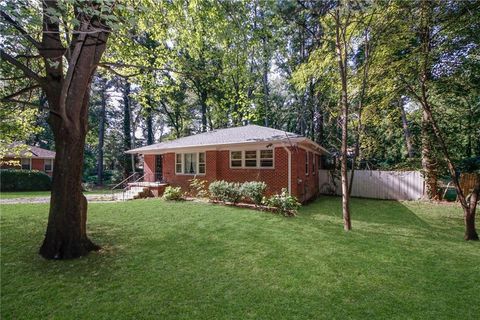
[(34, 194), (198, 261)]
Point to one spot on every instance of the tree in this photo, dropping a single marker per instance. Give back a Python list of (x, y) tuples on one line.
[(67, 93)]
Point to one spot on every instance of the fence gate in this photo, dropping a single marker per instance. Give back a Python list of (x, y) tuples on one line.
[(395, 185)]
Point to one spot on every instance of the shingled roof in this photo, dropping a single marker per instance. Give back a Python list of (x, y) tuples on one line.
[(31, 152), (228, 136)]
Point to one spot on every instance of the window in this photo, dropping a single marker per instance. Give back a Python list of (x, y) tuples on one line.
[(251, 158), (201, 162), (178, 163), (190, 163), (26, 164), (48, 165), (236, 159), (266, 158), (307, 164), (314, 163)]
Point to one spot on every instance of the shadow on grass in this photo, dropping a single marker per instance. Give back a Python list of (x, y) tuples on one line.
[(367, 210)]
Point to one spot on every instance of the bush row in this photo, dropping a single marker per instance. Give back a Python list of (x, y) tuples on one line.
[(234, 192), (24, 180)]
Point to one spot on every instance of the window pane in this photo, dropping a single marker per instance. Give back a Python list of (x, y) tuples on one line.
[(48, 164), (190, 163), (236, 155), (178, 168), (236, 163), (179, 158), (266, 154), (25, 164), (251, 158), (201, 157), (250, 154), (201, 168), (266, 163)]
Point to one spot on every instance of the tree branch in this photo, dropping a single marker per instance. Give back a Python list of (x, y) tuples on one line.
[(24, 33), (13, 95), (27, 71)]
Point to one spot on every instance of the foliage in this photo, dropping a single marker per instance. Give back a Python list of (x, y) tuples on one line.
[(225, 191), (198, 188), (284, 203), (254, 191), (24, 180), (173, 193), (470, 165)]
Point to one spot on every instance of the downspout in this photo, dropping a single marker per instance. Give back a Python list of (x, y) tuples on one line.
[(289, 170)]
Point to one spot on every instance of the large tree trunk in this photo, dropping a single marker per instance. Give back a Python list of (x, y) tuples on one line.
[(66, 235)]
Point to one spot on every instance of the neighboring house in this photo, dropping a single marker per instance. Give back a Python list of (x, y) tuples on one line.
[(249, 153), (33, 158)]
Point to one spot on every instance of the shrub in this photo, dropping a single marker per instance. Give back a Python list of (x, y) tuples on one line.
[(284, 203), (225, 191), (173, 193), (254, 191), (24, 180), (198, 188)]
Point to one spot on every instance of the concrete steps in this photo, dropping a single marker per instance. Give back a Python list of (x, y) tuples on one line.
[(133, 193)]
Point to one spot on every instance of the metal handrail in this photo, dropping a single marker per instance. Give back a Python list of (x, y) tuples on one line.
[(128, 186), (122, 182)]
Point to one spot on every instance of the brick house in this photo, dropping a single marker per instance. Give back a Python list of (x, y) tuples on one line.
[(30, 158), (248, 153)]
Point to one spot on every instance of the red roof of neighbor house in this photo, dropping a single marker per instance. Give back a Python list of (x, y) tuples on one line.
[(31, 152), (229, 136)]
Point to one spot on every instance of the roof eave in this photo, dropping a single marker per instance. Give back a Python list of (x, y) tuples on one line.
[(164, 150)]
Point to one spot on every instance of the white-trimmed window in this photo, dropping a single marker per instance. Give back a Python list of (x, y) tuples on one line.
[(178, 163), (48, 165), (190, 163), (266, 158), (26, 163), (314, 163), (201, 162), (307, 162), (251, 159), (236, 159)]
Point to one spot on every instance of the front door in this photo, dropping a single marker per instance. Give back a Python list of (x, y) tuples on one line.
[(158, 168)]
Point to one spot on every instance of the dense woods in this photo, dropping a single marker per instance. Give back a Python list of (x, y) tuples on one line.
[(381, 85)]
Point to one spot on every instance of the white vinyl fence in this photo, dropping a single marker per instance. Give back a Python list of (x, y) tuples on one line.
[(395, 185)]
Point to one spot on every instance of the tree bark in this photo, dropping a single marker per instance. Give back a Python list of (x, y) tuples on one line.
[(406, 130), (429, 165), (66, 235), (127, 130), (101, 133), (341, 49)]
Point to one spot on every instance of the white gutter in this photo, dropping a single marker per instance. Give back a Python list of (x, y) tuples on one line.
[(289, 170)]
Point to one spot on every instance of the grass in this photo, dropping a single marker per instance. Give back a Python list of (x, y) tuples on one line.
[(34, 194), (165, 260)]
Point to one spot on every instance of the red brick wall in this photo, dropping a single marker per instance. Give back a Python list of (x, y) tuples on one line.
[(37, 164), (149, 167), (218, 168), (304, 187)]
